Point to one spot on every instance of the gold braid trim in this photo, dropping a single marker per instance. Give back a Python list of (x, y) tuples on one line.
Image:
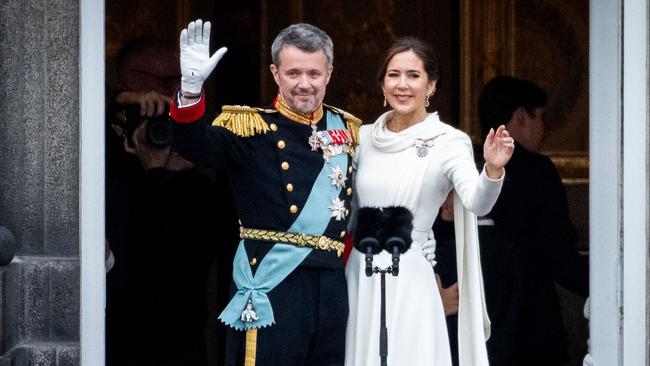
[(352, 123), (304, 118), (298, 239), (251, 347), (242, 121)]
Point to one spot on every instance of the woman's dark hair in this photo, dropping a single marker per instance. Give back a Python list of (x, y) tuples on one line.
[(424, 51)]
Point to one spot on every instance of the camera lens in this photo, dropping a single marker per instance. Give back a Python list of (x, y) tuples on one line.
[(158, 131)]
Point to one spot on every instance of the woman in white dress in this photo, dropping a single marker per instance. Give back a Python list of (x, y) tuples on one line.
[(409, 158)]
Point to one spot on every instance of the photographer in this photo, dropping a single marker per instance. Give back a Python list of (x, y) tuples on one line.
[(156, 292)]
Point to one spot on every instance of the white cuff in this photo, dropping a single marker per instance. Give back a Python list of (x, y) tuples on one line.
[(503, 175), (110, 262), (178, 101)]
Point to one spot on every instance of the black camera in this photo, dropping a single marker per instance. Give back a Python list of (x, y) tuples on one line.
[(158, 129)]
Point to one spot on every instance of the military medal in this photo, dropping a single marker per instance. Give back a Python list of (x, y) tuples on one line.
[(314, 140), (249, 314), (331, 142)]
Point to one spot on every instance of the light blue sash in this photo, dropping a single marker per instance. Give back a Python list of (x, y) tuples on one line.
[(282, 259)]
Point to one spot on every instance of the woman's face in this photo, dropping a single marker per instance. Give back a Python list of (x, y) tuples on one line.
[(406, 84)]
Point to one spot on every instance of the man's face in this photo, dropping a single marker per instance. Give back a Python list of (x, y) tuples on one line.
[(533, 130), (302, 78)]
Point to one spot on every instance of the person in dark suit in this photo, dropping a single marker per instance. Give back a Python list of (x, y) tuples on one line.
[(157, 306), (157, 290), (532, 212), (502, 281)]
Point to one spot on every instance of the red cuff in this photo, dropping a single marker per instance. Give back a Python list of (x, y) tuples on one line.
[(187, 114), (348, 248)]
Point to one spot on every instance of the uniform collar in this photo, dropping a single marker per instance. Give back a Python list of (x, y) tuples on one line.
[(304, 118)]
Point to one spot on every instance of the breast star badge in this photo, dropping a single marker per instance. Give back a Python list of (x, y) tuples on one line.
[(338, 209), (338, 177)]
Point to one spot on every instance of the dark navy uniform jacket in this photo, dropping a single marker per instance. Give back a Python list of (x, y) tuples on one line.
[(271, 173), (532, 208)]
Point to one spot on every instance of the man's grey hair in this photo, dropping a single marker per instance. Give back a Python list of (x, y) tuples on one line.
[(305, 37)]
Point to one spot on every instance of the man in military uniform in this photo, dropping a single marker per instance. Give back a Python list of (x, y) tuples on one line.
[(289, 167)]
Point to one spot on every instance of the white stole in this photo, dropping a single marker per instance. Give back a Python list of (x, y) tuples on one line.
[(473, 321)]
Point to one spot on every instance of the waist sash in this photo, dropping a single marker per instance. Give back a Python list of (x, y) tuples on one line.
[(282, 259)]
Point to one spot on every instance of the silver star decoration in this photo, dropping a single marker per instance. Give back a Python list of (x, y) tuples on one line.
[(338, 177), (338, 209)]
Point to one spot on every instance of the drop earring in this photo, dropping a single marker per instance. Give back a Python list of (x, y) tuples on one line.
[(384, 102), (426, 101)]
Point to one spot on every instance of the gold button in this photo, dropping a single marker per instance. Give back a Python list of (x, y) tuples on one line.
[(350, 169), (349, 191), (343, 233), (281, 144), (290, 187), (274, 127), (285, 165), (253, 261), (293, 209)]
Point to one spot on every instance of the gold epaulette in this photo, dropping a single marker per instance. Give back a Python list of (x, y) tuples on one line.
[(352, 123), (242, 121)]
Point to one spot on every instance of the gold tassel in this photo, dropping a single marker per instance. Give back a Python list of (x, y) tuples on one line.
[(251, 347), (241, 120), (353, 127)]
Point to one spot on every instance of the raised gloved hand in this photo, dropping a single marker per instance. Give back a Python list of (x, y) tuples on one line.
[(196, 62)]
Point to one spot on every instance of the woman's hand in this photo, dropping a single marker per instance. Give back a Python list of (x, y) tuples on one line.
[(497, 151)]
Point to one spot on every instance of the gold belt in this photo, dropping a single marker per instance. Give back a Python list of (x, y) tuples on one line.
[(297, 239)]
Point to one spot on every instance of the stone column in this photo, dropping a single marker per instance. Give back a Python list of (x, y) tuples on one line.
[(39, 181)]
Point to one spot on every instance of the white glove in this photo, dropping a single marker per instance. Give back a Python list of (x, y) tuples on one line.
[(429, 251), (196, 63)]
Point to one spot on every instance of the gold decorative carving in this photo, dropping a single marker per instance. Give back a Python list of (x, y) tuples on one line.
[(572, 165), (487, 49)]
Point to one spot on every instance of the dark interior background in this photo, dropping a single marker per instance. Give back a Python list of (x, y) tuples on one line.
[(361, 31)]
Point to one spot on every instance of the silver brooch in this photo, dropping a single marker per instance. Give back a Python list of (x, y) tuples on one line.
[(422, 146)]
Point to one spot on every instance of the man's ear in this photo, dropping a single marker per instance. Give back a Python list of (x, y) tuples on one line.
[(275, 71), (329, 74), (521, 116)]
